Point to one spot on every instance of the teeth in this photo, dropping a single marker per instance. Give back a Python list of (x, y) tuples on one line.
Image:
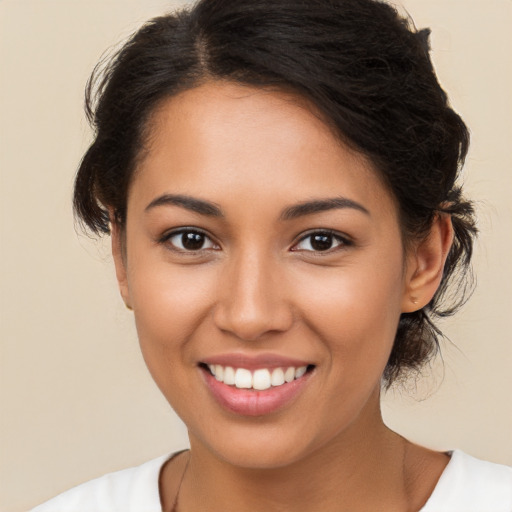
[(229, 376), (289, 374), (299, 372), (219, 372), (259, 380), (277, 377), (243, 379)]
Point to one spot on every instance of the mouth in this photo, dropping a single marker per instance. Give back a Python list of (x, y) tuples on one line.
[(259, 379), (256, 391)]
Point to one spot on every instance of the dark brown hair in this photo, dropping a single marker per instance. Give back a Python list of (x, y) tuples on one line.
[(362, 65)]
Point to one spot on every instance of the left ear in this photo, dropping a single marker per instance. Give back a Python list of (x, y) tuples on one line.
[(425, 264)]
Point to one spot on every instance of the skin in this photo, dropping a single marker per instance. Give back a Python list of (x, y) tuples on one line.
[(257, 286)]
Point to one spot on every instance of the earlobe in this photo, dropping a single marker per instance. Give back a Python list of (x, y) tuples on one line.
[(119, 256), (425, 264)]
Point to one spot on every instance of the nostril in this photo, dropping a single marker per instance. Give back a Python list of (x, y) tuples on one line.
[(252, 311), (251, 325)]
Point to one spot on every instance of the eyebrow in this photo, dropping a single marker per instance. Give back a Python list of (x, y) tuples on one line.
[(321, 205), (292, 212), (190, 203)]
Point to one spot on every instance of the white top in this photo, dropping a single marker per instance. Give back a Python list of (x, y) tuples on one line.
[(466, 485)]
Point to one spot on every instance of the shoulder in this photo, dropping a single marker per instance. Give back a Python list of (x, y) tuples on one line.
[(130, 490), (472, 485)]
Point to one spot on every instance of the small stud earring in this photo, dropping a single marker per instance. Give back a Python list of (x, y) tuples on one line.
[(414, 300), (129, 307)]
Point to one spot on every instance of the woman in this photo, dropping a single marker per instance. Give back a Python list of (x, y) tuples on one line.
[(279, 180)]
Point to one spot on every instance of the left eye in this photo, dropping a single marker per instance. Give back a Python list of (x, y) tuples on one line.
[(190, 241), (320, 242)]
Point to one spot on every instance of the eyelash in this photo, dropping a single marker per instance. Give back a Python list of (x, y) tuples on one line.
[(167, 237), (342, 241)]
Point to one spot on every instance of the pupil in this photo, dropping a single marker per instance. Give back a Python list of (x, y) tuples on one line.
[(192, 241), (321, 242)]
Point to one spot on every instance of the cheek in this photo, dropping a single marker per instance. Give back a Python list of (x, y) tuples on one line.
[(170, 303), (355, 316), (355, 311), (169, 308)]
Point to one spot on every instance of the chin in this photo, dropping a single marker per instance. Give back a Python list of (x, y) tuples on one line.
[(259, 454), (260, 444)]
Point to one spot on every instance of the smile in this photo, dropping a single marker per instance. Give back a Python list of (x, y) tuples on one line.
[(260, 379), (257, 389)]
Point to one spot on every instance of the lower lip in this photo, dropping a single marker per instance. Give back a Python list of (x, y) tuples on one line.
[(248, 402)]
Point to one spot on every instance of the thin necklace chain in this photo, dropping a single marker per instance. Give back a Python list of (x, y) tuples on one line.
[(174, 507), (175, 503)]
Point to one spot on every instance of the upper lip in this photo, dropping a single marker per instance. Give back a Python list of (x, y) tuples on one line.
[(255, 361)]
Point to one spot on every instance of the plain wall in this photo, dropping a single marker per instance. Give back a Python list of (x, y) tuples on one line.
[(76, 400)]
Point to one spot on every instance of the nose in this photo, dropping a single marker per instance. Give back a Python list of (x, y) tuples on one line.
[(253, 298)]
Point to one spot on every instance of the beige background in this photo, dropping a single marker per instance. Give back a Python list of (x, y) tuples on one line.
[(76, 400)]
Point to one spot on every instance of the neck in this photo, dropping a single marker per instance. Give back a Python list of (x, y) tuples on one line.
[(362, 469)]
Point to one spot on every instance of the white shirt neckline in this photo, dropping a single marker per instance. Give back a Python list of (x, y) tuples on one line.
[(466, 485)]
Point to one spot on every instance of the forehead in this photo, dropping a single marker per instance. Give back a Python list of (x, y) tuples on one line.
[(224, 137)]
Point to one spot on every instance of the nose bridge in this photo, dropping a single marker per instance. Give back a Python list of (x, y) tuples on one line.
[(254, 301)]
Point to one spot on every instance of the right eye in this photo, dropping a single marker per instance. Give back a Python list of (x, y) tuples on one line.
[(189, 240)]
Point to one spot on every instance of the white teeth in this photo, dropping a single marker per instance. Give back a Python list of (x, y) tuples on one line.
[(277, 377), (299, 372), (289, 374), (219, 372), (243, 379), (259, 380), (229, 376)]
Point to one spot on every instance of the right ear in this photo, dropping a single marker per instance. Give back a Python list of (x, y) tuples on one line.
[(119, 254)]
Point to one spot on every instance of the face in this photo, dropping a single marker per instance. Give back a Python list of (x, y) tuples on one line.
[(256, 242)]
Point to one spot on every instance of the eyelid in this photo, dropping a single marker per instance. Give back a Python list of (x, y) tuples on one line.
[(165, 238), (345, 241)]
